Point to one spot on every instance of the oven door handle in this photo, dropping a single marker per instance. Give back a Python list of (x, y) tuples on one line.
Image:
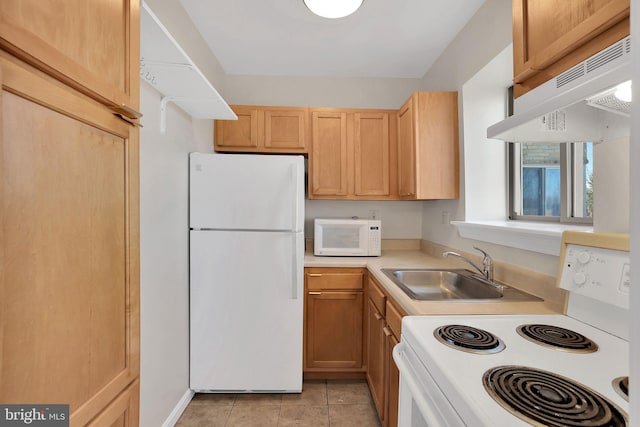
[(407, 376)]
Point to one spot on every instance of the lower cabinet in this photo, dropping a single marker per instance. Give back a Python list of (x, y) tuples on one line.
[(392, 374), (333, 341), (383, 333), (376, 351)]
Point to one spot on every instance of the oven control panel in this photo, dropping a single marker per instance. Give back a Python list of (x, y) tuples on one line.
[(601, 274)]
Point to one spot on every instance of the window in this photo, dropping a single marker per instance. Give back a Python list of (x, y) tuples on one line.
[(551, 182)]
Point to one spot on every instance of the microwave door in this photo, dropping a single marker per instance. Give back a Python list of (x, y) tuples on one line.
[(341, 239)]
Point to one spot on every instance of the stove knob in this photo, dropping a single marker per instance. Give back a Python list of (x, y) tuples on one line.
[(579, 278), (583, 257)]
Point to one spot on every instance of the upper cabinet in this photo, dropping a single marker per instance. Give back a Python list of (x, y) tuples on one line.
[(65, 38), (353, 154), (428, 146), (283, 130), (551, 36)]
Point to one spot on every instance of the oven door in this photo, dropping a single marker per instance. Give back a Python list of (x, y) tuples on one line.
[(421, 403)]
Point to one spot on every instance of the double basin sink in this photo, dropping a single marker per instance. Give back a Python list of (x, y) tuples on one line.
[(454, 284)]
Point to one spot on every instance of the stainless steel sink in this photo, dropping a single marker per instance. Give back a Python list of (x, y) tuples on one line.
[(436, 285)]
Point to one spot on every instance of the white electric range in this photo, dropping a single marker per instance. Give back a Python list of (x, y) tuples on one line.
[(507, 370)]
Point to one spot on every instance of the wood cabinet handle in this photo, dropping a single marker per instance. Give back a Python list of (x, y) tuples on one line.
[(315, 293), (315, 274), (377, 316), (387, 331)]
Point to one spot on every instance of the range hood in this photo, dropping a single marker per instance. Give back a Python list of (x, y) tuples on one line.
[(579, 105)]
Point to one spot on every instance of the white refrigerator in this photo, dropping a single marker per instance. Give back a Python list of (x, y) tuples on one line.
[(246, 272)]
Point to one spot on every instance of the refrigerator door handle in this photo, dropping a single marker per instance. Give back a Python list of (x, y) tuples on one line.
[(296, 198), (294, 268)]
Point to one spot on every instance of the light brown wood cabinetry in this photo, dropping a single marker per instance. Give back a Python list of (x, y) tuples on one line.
[(392, 374), (69, 208), (383, 333), (92, 46), (550, 36), (328, 160), (376, 346), (283, 130), (333, 339), (428, 146), (353, 154)]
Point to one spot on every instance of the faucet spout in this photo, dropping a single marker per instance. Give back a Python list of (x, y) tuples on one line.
[(487, 263)]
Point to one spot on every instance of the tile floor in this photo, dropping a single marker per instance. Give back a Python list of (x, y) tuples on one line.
[(331, 403)]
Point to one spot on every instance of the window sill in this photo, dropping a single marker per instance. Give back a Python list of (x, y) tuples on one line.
[(541, 237)]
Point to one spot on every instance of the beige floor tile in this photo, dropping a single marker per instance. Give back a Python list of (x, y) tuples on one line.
[(212, 399), (348, 415), (348, 391), (313, 393), (254, 416), (258, 399), (204, 416), (304, 416)]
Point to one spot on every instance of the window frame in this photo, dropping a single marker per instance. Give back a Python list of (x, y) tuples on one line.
[(567, 182)]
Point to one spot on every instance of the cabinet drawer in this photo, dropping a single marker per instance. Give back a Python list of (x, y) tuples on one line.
[(328, 279), (375, 294), (394, 319)]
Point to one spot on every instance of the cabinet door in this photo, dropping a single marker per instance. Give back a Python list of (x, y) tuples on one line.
[(334, 330), (238, 134), (550, 37), (372, 160), (393, 382), (123, 411), (91, 45), (285, 130), (376, 356), (70, 284), (329, 156), (406, 151), (436, 166)]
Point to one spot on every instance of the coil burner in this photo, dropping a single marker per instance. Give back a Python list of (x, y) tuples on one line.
[(543, 398), (558, 338), (621, 386), (469, 339)]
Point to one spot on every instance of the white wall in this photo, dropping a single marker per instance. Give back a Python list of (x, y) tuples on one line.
[(164, 254), (400, 220), (320, 91), (462, 67), (611, 186)]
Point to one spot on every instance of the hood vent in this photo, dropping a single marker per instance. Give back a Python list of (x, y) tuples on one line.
[(591, 84)]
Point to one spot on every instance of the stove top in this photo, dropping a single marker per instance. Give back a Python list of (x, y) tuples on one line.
[(557, 337), (467, 338), (547, 399), (460, 374)]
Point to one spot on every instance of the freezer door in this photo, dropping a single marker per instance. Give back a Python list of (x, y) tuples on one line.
[(249, 192), (246, 311)]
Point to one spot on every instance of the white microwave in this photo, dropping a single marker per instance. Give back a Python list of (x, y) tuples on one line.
[(347, 237)]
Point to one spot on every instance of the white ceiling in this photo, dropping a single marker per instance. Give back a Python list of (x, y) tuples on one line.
[(385, 38)]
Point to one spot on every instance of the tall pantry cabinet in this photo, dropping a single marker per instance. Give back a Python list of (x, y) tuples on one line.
[(69, 262)]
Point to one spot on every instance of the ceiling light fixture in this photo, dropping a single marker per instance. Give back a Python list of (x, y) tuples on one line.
[(333, 8)]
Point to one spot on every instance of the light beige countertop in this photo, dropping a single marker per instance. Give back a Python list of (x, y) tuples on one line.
[(418, 259)]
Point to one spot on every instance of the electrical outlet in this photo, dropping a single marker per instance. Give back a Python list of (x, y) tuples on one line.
[(446, 220), (373, 214)]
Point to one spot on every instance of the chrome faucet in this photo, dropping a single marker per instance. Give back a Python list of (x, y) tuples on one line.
[(487, 263)]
